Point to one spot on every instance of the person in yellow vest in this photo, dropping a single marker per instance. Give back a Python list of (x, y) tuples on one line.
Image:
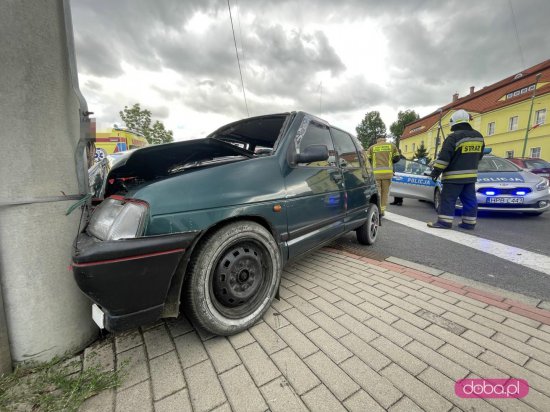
[(382, 155)]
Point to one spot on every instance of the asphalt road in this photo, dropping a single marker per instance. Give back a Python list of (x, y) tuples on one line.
[(525, 232)]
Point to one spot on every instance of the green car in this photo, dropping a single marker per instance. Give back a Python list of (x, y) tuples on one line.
[(211, 222)]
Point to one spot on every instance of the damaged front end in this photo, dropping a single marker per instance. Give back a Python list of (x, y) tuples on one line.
[(131, 257)]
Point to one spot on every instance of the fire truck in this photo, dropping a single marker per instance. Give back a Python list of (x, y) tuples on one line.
[(119, 139)]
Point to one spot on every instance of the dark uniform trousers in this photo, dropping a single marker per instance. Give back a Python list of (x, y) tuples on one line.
[(467, 194)]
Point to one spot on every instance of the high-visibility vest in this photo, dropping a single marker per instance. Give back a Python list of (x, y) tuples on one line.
[(380, 156)]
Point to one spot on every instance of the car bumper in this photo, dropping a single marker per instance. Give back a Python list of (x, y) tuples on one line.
[(513, 209), (128, 279), (532, 203)]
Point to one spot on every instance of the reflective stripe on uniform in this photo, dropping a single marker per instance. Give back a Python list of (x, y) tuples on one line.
[(382, 148), (460, 176), (469, 219), (445, 218), (469, 139), (458, 172), (440, 164), (379, 170)]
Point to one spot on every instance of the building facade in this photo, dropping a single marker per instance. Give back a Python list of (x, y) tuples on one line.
[(500, 112)]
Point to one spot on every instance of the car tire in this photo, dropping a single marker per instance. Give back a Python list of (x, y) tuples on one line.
[(232, 278), (368, 231), (437, 199)]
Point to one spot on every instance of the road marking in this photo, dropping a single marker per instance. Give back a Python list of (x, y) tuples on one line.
[(512, 254)]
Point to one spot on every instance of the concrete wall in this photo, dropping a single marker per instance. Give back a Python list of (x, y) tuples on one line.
[(39, 127)]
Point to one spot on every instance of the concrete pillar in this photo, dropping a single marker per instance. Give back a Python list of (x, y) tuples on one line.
[(46, 313), (5, 355)]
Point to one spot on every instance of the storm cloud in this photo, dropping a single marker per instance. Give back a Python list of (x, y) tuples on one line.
[(290, 58)]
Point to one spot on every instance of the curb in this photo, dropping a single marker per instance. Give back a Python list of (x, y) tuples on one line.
[(489, 298), (527, 300)]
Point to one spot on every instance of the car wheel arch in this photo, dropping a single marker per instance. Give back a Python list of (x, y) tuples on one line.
[(258, 238), (172, 302)]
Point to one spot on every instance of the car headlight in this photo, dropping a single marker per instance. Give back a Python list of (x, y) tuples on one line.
[(118, 218), (543, 184)]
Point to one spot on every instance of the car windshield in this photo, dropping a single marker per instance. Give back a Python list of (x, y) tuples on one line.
[(537, 164), (496, 164), (411, 167)]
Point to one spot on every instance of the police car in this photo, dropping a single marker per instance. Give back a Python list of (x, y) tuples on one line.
[(411, 180), (501, 186)]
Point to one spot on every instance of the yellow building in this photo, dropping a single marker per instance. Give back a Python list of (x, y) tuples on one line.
[(500, 112)]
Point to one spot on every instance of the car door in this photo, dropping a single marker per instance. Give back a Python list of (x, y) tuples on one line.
[(354, 178), (315, 193), (410, 181)]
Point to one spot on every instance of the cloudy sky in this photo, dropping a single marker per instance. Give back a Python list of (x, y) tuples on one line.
[(334, 59)]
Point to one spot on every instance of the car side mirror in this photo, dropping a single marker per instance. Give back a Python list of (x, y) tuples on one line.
[(427, 173), (312, 153)]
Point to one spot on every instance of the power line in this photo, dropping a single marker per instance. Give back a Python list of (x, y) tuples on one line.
[(517, 35), (237, 54), (240, 33)]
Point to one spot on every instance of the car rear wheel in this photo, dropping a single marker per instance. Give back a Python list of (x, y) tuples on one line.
[(233, 277), (368, 231), (437, 199)]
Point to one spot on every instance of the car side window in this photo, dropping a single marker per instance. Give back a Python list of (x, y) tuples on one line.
[(347, 153), (317, 134)]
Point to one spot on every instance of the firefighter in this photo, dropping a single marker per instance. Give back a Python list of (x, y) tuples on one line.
[(382, 156), (457, 164)]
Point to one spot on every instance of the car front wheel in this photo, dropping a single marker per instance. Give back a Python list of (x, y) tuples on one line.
[(233, 277), (368, 231)]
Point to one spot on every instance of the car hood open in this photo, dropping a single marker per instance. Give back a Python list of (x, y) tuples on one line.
[(160, 160)]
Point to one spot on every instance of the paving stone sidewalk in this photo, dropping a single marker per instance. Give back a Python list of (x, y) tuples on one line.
[(349, 333)]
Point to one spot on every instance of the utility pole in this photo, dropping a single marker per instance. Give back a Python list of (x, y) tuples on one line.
[(42, 173), (530, 113)]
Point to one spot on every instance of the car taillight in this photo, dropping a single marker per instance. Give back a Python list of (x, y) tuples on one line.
[(116, 218)]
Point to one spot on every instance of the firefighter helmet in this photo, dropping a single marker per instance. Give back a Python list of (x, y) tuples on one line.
[(460, 116)]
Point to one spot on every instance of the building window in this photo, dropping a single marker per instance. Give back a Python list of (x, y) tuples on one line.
[(520, 91), (535, 152), (513, 123), (414, 147), (406, 148), (508, 154), (491, 129), (540, 116)]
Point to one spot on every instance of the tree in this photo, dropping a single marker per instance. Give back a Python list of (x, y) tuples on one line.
[(140, 121), (422, 154), (370, 128), (403, 119)]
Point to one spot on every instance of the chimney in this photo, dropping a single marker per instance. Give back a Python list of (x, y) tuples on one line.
[(455, 97), (472, 89)]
